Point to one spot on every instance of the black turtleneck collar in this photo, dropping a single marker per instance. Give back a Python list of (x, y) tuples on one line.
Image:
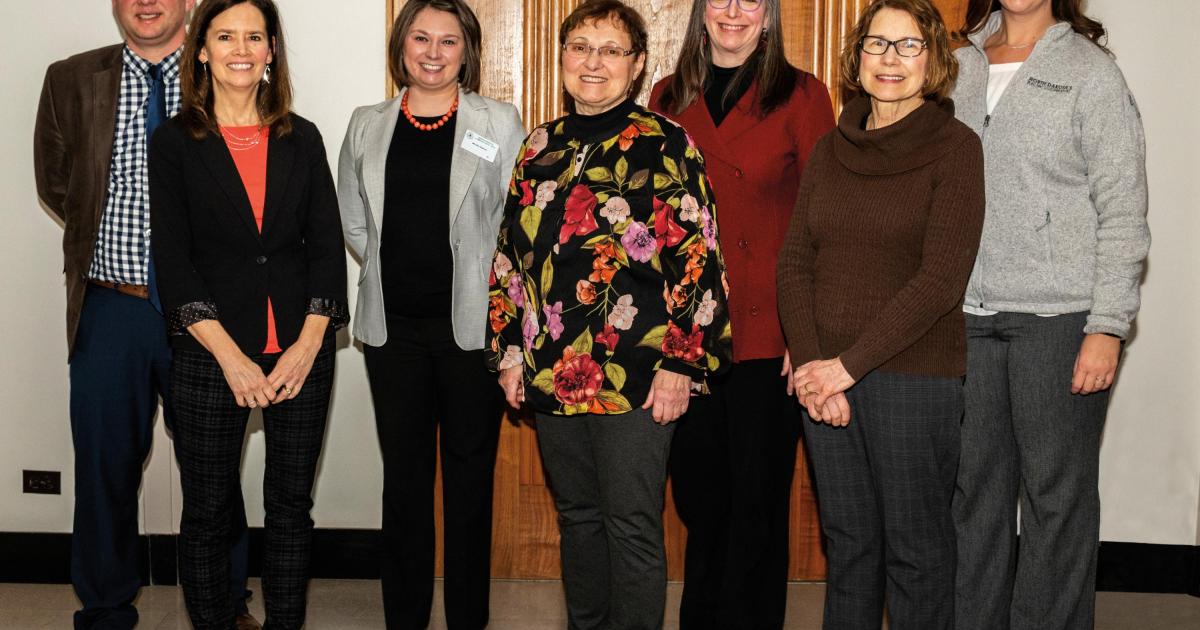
[(714, 93), (924, 135), (603, 125)]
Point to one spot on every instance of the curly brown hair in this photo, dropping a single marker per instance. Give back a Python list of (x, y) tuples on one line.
[(621, 15), (942, 70)]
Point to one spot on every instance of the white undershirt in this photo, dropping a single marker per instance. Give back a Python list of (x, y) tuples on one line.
[(999, 76)]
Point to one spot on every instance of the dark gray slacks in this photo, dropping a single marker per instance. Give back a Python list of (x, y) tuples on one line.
[(608, 475), (1026, 438), (884, 485)]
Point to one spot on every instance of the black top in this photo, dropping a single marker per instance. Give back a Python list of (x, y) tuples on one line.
[(416, 264), (211, 259), (718, 82)]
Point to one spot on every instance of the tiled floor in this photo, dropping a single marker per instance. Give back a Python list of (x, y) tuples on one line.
[(352, 604)]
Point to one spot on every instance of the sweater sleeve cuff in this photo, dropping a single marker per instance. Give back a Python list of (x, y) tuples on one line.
[(1106, 328), (178, 319), (856, 366), (679, 367), (337, 311)]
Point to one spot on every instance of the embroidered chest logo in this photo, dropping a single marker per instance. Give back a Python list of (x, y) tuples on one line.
[(1051, 87)]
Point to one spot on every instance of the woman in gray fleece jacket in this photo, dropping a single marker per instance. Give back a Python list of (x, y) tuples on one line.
[(1052, 295)]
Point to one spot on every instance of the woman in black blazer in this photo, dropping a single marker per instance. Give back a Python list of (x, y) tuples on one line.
[(251, 271)]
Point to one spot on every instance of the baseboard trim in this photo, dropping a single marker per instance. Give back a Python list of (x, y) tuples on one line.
[(353, 554), (1142, 568)]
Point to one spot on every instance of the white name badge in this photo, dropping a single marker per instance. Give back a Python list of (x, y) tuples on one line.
[(480, 146)]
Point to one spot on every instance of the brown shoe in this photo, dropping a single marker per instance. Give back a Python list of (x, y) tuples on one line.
[(247, 622)]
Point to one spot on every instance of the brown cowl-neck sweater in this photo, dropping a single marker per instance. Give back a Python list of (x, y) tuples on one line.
[(882, 242)]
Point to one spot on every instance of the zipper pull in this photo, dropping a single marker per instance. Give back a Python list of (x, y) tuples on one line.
[(987, 120)]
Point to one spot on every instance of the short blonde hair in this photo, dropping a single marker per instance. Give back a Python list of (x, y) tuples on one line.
[(942, 69)]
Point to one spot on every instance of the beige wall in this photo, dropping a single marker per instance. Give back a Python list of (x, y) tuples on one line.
[(1151, 460), (1150, 464)]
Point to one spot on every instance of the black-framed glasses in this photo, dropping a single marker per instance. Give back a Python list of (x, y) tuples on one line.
[(748, 6), (580, 50), (907, 47)]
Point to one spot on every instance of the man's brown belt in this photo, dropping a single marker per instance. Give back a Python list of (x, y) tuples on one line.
[(136, 290)]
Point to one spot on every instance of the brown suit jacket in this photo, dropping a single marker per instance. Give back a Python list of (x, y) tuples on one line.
[(72, 149)]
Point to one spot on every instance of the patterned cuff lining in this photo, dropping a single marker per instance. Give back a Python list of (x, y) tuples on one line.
[(336, 310), (179, 319)]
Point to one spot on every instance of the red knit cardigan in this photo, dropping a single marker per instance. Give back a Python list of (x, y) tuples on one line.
[(754, 165)]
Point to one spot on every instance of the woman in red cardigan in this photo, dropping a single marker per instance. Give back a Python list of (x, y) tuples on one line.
[(756, 118)]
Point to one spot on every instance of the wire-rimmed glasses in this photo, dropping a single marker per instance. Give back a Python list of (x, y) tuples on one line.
[(580, 50)]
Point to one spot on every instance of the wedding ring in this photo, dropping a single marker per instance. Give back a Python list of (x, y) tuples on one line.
[(807, 390), (252, 404), (288, 389)]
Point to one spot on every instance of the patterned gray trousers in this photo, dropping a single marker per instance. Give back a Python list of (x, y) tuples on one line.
[(884, 485)]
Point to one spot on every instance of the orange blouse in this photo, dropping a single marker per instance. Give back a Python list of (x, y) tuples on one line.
[(248, 146)]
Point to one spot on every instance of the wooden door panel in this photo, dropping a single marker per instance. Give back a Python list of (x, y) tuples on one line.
[(520, 65)]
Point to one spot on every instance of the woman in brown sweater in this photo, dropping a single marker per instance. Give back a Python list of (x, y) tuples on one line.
[(871, 280)]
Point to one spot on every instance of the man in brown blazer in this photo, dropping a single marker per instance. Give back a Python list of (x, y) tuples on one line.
[(96, 114)]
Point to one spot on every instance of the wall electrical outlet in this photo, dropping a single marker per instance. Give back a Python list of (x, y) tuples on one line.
[(41, 481)]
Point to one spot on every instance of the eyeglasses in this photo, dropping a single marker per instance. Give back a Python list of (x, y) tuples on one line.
[(579, 50), (746, 5), (907, 47)]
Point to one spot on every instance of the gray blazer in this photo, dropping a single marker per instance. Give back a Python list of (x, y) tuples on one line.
[(478, 189)]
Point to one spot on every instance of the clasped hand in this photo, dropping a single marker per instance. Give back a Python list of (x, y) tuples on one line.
[(820, 386), (251, 388)]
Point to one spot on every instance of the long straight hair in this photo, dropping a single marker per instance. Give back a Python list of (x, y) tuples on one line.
[(1069, 11), (274, 98), (768, 65)]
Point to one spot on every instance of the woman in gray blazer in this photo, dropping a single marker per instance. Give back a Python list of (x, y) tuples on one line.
[(422, 181)]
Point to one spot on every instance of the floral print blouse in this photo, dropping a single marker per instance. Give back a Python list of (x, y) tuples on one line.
[(607, 266)]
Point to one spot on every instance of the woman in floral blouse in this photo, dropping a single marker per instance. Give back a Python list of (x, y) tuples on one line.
[(607, 311)]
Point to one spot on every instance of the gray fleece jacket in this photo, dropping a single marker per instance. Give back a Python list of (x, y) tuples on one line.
[(1065, 228)]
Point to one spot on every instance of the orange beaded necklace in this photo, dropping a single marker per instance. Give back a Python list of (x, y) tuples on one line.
[(422, 126)]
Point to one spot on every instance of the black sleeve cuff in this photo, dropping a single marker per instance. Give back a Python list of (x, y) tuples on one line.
[(179, 319), (679, 367), (337, 311)]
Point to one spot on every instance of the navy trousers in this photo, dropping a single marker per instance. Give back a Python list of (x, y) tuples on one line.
[(119, 369)]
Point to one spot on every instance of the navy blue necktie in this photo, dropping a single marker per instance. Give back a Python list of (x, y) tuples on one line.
[(156, 113)]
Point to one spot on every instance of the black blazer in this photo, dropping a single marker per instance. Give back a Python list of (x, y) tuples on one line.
[(212, 263)]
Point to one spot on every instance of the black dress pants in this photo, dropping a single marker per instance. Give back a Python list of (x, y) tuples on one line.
[(209, 430), (421, 379), (732, 462)]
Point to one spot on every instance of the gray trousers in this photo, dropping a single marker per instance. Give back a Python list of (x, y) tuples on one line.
[(1026, 438), (608, 474), (884, 485)]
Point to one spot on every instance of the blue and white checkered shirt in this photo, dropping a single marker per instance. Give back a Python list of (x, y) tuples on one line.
[(124, 240)]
